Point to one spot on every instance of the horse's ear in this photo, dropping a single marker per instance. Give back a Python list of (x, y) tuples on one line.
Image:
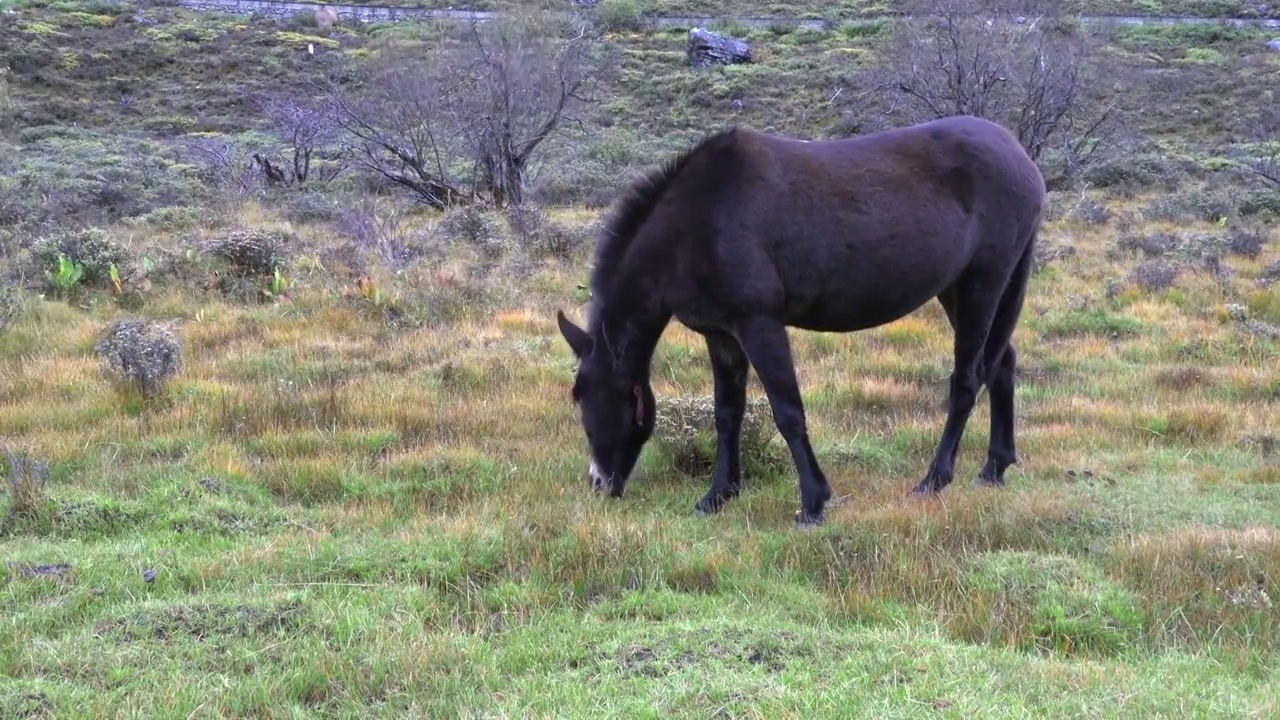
[(578, 339)]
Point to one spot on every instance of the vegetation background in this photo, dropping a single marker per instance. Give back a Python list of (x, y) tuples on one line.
[(285, 418)]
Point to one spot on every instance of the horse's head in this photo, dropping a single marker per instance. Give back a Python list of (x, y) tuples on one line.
[(617, 409)]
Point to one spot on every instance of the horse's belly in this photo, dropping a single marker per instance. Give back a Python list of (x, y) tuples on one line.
[(857, 301)]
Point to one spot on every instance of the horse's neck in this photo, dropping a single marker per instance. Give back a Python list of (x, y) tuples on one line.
[(632, 338)]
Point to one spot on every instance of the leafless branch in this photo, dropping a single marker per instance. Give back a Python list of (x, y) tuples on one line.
[(1262, 159), (225, 164), (308, 133), (1020, 63)]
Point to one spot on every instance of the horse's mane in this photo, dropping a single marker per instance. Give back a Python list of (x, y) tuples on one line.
[(635, 207)]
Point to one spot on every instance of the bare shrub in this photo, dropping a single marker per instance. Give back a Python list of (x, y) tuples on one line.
[(1261, 159), (252, 252), (376, 226), (560, 241), (1048, 252), (307, 207), (522, 83), (254, 264), (1191, 205), (475, 228), (1242, 240), (1029, 69), (308, 132), (1246, 241), (1154, 275), (469, 118), (1269, 274), (226, 165), (1093, 213), (1150, 245), (140, 356)]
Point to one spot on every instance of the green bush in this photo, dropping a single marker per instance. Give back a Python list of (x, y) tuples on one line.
[(91, 248), (1263, 201), (621, 15)]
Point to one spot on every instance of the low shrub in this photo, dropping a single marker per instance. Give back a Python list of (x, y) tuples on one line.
[(92, 249), (686, 431), (140, 356)]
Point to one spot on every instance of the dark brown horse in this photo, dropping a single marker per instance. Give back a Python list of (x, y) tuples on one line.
[(748, 234)]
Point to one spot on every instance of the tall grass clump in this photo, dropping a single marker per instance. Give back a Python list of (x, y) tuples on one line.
[(25, 480), (12, 306)]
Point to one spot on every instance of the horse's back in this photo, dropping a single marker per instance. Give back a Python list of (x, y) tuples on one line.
[(854, 232)]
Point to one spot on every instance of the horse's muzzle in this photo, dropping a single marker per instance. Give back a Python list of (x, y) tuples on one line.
[(602, 483)]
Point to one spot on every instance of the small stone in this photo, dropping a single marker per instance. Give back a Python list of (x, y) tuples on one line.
[(1274, 45), (149, 576)]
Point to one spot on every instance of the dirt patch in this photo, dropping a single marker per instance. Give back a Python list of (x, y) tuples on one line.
[(699, 648), (39, 570), (204, 622)]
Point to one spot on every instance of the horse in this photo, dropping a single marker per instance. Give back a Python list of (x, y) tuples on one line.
[(747, 234)]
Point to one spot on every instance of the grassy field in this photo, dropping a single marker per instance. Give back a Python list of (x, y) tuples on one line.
[(362, 494), (350, 518)]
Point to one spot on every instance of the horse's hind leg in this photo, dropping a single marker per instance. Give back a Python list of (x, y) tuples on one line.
[(1001, 452), (971, 307), (1002, 362), (729, 370), (769, 351)]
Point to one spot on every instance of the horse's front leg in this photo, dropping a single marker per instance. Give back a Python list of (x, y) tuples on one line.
[(729, 371), (769, 350)]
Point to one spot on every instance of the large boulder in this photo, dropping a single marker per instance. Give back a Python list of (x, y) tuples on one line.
[(711, 48)]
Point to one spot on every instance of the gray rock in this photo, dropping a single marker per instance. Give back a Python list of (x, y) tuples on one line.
[(711, 48)]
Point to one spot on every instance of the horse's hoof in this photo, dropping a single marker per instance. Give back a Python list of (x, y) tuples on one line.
[(986, 482), (707, 508), (924, 488), (806, 521)]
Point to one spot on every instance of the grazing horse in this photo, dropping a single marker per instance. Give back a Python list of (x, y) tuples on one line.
[(747, 234)]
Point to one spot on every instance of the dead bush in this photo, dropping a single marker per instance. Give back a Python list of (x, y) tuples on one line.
[(1154, 275), (140, 356), (252, 252)]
